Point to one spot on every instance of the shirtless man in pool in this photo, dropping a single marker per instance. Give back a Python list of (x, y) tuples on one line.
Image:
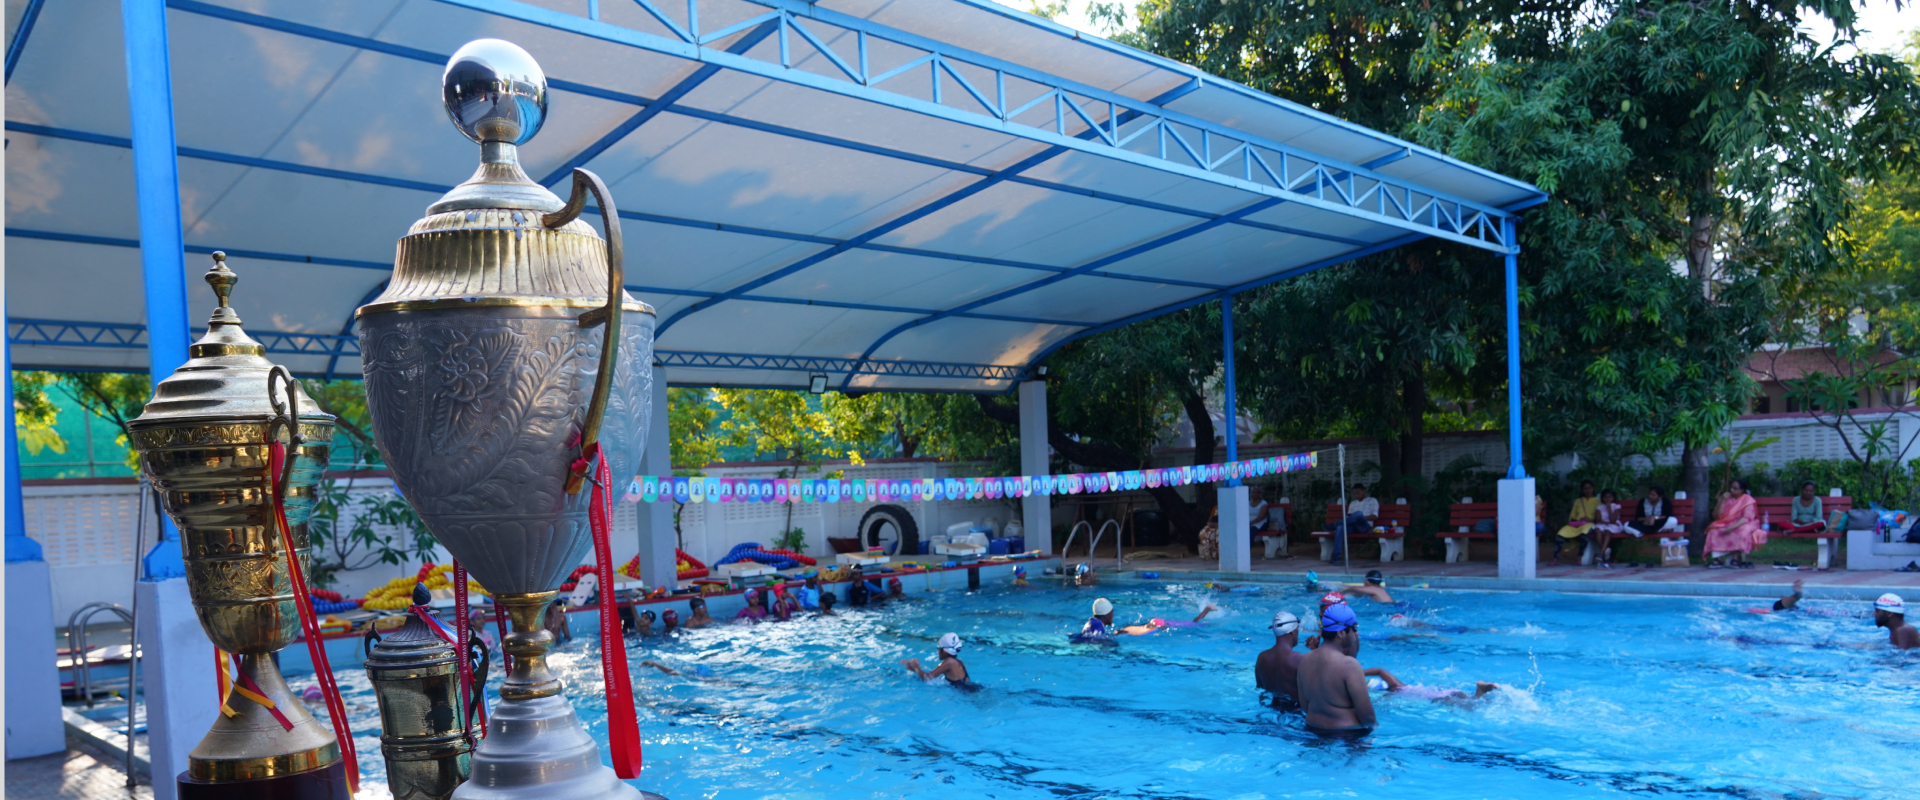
[(1890, 612), (1332, 687), (1277, 670)]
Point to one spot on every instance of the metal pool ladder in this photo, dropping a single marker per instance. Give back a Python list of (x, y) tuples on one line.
[(1094, 537)]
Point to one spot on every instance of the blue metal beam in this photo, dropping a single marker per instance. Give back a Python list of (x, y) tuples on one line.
[(353, 319), (1115, 258), (18, 44), (111, 241), (19, 546), (1231, 411), (1516, 469), (156, 180), (849, 366), (123, 336), (376, 45), (802, 301)]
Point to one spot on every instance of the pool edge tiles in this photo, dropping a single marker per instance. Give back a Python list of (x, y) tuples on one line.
[(1616, 586)]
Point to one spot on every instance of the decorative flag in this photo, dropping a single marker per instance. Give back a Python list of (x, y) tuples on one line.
[(649, 489), (713, 490)]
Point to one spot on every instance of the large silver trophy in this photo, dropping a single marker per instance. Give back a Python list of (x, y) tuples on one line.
[(487, 366)]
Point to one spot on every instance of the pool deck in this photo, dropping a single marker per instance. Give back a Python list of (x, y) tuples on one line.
[(1760, 581)]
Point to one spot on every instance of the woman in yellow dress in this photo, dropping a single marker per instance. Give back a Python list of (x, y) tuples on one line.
[(1579, 522)]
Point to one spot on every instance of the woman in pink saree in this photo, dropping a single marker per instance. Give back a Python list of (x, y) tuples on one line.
[(1736, 529)]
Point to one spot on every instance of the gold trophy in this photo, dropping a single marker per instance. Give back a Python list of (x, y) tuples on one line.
[(203, 440), (424, 735)]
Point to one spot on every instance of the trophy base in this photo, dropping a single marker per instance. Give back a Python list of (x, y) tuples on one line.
[(536, 749), (326, 783)]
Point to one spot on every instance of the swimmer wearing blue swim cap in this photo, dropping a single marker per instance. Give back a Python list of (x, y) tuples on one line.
[(1020, 577), (1084, 575)]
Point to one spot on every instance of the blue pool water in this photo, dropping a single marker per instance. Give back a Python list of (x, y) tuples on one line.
[(1602, 696)]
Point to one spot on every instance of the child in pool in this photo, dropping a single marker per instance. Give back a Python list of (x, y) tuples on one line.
[(949, 667), (697, 616)]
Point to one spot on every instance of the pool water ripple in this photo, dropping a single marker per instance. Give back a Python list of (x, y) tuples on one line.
[(1602, 696)]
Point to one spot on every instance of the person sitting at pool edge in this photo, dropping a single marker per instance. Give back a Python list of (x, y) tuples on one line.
[(1579, 522), (1331, 686), (1362, 512), (1890, 612), (949, 668), (1277, 670), (697, 616)]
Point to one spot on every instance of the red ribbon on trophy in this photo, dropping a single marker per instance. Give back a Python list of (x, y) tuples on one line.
[(309, 626), (623, 724), (465, 648)]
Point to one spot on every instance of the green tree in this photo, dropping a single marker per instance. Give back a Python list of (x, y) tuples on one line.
[(34, 413)]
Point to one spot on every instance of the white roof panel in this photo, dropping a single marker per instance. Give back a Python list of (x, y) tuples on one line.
[(782, 216)]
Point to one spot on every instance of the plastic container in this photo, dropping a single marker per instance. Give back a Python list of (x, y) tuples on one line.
[(997, 547), (960, 528), (1016, 544)]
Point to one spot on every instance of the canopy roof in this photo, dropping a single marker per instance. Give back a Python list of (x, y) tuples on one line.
[(899, 194)]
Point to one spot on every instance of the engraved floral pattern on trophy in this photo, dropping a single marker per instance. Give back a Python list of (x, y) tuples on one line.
[(479, 409)]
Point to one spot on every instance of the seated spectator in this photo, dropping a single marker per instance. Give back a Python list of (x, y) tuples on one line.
[(1654, 516), (1256, 515), (1609, 520), (1539, 516), (756, 609), (1276, 529), (1735, 530), (1362, 512), (1579, 522), (1806, 511)]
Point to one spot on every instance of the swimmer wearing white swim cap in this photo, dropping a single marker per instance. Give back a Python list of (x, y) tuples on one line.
[(1277, 670), (1890, 612), (950, 667)]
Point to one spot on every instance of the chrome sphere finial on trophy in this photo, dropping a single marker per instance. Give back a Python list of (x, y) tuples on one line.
[(487, 365)]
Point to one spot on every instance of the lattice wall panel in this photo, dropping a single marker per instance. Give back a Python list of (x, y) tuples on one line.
[(78, 530)]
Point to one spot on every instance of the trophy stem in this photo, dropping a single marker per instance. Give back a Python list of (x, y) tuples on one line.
[(528, 644), (254, 745)]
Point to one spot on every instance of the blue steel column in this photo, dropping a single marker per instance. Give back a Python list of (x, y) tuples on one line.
[(1515, 469), (1232, 413), (20, 547), (156, 176)]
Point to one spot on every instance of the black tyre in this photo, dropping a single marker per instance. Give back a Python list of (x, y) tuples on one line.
[(891, 527)]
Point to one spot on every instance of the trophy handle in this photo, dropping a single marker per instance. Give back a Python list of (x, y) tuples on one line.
[(288, 414), (584, 182)]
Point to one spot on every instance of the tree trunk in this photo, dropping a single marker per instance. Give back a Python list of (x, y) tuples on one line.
[(1693, 480), (1413, 399), (1389, 466)]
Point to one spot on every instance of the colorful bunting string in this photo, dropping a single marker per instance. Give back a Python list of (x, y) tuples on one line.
[(675, 488)]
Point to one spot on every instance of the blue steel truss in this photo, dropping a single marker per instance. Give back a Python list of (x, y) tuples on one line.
[(123, 336), (1156, 137)]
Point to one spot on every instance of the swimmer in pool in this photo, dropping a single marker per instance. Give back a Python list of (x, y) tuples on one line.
[(643, 624), (1020, 578), (1890, 612), (1099, 628), (1277, 670), (1328, 599), (826, 604), (1083, 576), (1375, 588), (894, 590), (1331, 686), (1452, 697), (669, 619), (1788, 603), (697, 616), (949, 667), (809, 593), (756, 610)]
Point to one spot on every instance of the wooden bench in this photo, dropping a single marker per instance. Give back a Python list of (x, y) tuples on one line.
[(1393, 543), (1781, 508), (1462, 517)]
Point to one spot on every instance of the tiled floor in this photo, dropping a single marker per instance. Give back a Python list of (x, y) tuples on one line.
[(72, 775)]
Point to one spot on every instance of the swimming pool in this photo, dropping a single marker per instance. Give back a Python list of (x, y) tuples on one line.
[(1601, 696)]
